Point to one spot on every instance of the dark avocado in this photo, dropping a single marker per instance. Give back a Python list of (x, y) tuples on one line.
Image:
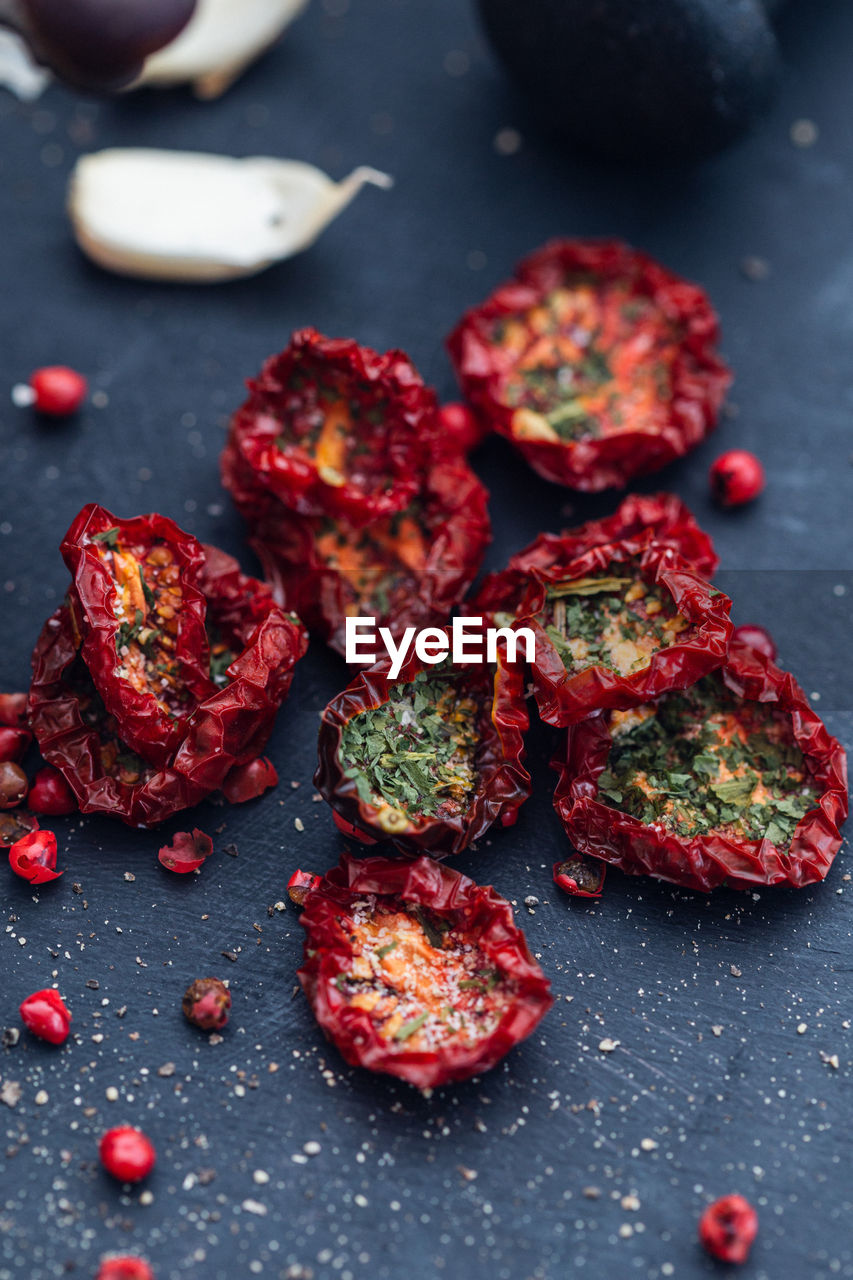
[(639, 79)]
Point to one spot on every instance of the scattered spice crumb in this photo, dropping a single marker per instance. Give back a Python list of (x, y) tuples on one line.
[(804, 133), (607, 1045)]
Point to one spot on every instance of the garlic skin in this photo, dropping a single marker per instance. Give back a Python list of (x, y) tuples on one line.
[(221, 40), (197, 218)]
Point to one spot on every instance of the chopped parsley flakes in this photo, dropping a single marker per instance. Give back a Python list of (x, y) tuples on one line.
[(704, 761)]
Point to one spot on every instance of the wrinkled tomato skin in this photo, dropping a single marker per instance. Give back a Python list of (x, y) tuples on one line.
[(262, 467), (424, 882), (44, 1013), (226, 729), (707, 861), (504, 783), (699, 378), (248, 781)]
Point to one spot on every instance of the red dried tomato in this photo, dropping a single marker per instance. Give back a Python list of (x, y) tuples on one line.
[(127, 1153), (736, 477), (124, 1268), (14, 824), (430, 759), (579, 876), (735, 781), (414, 970), (660, 516), (14, 743), (728, 1228), (44, 1013), (595, 361), (50, 793), (248, 781), (207, 1003), (331, 428), (408, 569), (187, 851), (141, 613), (254, 647), (33, 857), (618, 625), (59, 391)]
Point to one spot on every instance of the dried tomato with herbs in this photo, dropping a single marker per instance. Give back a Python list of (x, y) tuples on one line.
[(331, 428), (733, 781), (616, 625), (414, 970), (598, 363), (407, 569), (253, 647), (660, 516), (430, 759), (140, 611)]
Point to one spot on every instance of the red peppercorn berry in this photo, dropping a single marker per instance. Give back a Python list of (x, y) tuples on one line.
[(14, 743), (13, 784), (206, 1003), (14, 824), (300, 885), (127, 1154), (59, 391), (44, 1013), (126, 1268), (33, 857), (461, 427), (13, 709), (50, 793), (727, 1229), (736, 477), (757, 638)]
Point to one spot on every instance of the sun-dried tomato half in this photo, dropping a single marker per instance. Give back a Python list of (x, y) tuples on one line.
[(619, 624), (579, 876), (253, 647), (660, 516), (138, 606), (732, 781), (414, 970), (331, 428), (407, 569), (595, 361), (430, 760)]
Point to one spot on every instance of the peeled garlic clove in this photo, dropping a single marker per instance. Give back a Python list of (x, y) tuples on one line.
[(185, 215), (222, 38), (19, 73)]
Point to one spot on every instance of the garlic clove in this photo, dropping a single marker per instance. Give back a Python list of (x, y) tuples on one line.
[(221, 39), (19, 73), (188, 216)]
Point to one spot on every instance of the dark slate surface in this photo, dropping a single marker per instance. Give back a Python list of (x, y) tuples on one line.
[(578, 1161)]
